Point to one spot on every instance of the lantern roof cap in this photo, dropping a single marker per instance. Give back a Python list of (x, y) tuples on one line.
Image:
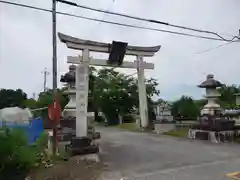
[(69, 77), (210, 82)]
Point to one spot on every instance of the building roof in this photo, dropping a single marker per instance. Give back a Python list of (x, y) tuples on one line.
[(210, 82)]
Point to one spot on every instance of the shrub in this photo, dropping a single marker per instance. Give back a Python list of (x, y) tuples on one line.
[(17, 158)]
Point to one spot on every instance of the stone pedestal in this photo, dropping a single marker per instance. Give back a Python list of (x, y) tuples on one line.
[(160, 128), (81, 145), (70, 108), (214, 136)]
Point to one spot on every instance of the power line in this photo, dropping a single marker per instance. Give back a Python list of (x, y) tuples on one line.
[(113, 1), (216, 47), (207, 50), (114, 23), (147, 20)]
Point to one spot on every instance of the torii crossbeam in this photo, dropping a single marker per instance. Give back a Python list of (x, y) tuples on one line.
[(82, 74)]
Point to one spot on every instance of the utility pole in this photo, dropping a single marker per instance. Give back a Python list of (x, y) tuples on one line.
[(54, 70), (45, 73), (34, 96)]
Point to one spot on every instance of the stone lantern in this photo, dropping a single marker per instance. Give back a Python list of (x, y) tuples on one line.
[(211, 85), (212, 125), (69, 79)]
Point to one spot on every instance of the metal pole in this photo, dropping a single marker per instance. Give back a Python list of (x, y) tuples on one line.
[(45, 80), (54, 68), (45, 73)]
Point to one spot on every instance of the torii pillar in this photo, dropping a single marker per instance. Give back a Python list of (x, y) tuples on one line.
[(82, 74)]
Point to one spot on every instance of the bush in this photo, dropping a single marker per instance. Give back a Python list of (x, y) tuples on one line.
[(17, 156)]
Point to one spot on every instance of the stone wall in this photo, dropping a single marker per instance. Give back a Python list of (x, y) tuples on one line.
[(160, 128)]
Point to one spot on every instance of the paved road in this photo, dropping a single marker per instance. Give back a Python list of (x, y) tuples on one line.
[(140, 156)]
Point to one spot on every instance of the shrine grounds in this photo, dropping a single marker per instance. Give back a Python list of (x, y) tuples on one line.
[(142, 156)]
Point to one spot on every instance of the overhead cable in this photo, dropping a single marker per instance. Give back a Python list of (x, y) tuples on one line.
[(114, 23), (147, 20), (216, 47)]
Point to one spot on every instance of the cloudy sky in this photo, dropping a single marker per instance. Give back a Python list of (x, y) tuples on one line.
[(181, 64)]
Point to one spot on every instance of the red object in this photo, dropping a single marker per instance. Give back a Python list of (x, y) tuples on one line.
[(50, 112), (54, 111)]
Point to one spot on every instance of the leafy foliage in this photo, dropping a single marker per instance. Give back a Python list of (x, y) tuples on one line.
[(12, 98), (115, 93), (188, 108), (16, 156), (185, 107), (31, 103), (46, 98), (228, 98)]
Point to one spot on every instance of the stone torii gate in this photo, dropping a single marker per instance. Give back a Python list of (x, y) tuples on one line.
[(82, 74)]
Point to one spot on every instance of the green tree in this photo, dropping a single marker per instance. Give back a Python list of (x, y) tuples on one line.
[(31, 103), (117, 94), (228, 98), (185, 107), (46, 98), (12, 98)]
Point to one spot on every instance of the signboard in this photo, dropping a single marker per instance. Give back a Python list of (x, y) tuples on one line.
[(54, 111)]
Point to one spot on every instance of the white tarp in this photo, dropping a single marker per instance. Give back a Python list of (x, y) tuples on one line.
[(15, 115)]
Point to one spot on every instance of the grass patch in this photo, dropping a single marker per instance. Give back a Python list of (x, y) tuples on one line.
[(128, 126), (181, 132)]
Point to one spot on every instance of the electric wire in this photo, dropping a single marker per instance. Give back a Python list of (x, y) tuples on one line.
[(114, 23), (146, 20)]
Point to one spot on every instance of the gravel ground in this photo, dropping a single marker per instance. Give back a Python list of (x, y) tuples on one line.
[(69, 170), (140, 156)]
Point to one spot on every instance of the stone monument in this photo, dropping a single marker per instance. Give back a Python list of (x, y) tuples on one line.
[(211, 85), (68, 122), (212, 125)]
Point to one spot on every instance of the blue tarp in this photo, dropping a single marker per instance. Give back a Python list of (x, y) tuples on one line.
[(33, 130)]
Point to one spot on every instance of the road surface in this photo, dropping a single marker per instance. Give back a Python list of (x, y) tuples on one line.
[(140, 156)]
